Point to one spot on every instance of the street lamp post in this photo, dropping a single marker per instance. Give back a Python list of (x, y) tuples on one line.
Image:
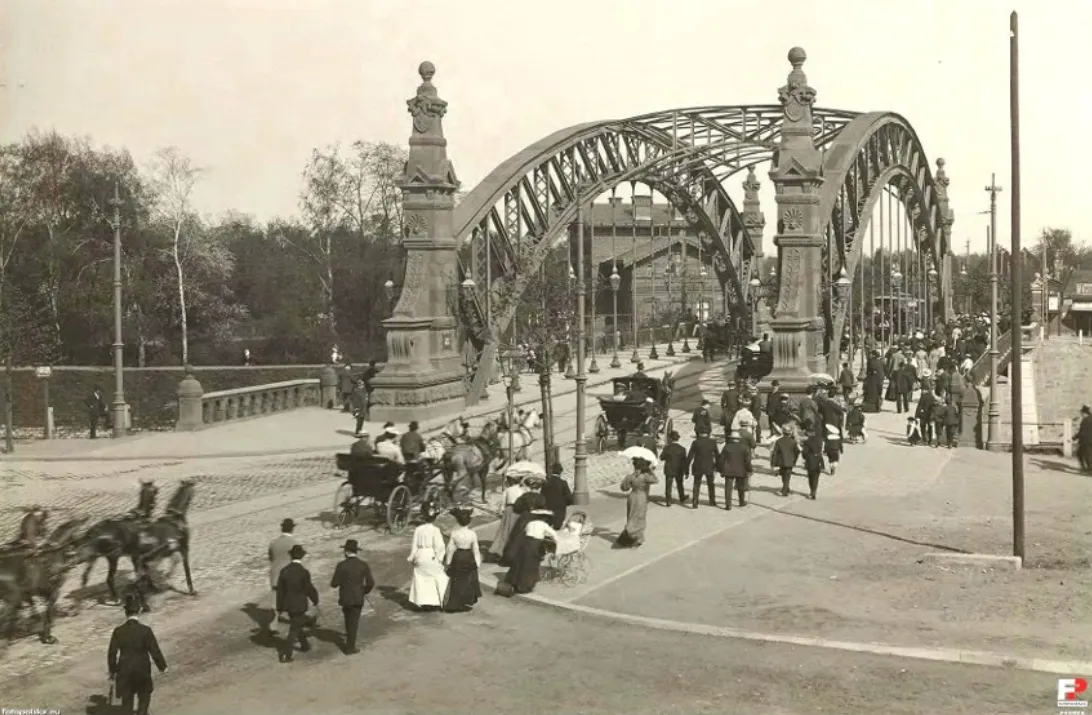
[(593, 289), (510, 374), (580, 458), (702, 317), (755, 294), (672, 269), (898, 322), (118, 408), (569, 374), (615, 284), (966, 289)]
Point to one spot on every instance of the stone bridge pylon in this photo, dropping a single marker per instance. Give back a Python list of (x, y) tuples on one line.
[(863, 231)]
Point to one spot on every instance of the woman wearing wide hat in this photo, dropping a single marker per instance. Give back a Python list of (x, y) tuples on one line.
[(531, 500), (512, 493), (463, 559)]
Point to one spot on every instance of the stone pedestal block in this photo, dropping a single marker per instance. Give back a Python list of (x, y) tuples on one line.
[(190, 392)]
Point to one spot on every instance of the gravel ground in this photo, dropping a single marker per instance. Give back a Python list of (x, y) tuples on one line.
[(509, 657)]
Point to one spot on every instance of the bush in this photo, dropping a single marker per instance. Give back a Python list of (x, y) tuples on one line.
[(152, 392)]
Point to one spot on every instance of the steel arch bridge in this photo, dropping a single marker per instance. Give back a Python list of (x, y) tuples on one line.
[(510, 220)]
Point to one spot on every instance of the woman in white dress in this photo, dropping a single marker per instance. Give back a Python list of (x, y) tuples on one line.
[(427, 556)]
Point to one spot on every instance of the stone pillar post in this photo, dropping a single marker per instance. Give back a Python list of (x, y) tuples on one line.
[(190, 413), (944, 239), (424, 370), (797, 175)]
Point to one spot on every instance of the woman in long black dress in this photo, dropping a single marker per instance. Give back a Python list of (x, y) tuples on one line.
[(523, 507), (463, 558), (524, 573)]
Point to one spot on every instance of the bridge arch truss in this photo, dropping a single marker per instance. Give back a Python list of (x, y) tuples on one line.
[(508, 223)]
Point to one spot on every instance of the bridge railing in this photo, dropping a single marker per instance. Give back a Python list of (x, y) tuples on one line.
[(980, 371), (243, 402), (197, 408)]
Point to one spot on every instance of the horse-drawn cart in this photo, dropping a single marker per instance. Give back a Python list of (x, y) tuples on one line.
[(639, 405), (389, 488)]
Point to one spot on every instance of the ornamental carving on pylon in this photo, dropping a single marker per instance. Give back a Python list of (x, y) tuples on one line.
[(793, 218), (416, 225)]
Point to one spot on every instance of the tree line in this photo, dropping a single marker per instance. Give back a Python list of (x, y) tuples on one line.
[(195, 288)]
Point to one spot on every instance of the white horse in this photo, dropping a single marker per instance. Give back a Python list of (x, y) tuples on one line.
[(522, 434), (455, 432)]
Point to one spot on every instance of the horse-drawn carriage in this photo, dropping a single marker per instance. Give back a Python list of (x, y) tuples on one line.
[(639, 405), (719, 337), (388, 487), (753, 364)]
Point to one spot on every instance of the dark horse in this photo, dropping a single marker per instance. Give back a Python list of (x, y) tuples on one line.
[(38, 571), (118, 536), (169, 535), (471, 459)]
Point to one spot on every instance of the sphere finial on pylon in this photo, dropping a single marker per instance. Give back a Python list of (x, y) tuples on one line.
[(797, 57), (427, 70)]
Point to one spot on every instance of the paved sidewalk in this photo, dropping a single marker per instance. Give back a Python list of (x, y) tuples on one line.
[(300, 431), (848, 567)]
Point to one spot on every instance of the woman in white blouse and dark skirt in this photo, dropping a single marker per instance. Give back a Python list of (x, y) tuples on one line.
[(463, 560), (523, 575)]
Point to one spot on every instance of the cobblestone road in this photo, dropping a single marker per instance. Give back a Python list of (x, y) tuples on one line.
[(228, 556)]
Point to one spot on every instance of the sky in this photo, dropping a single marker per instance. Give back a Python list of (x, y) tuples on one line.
[(248, 88)]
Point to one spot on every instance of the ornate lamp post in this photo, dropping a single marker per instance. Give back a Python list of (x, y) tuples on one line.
[(930, 280), (966, 289), (118, 407), (615, 284), (653, 354), (685, 281), (753, 297), (569, 373), (702, 317), (672, 269), (993, 414), (896, 279), (510, 376)]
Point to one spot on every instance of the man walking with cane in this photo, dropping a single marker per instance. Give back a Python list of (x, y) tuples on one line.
[(354, 582), (129, 658)]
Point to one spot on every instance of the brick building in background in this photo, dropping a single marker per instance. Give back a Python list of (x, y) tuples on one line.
[(656, 247)]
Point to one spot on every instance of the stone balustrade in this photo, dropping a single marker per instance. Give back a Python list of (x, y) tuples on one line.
[(197, 408)]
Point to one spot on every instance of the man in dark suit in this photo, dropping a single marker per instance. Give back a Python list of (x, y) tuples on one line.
[(735, 465), (702, 459), (702, 420), (96, 410), (129, 658), (294, 590), (674, 459), (354, 581), (557, 494), (924, 415)]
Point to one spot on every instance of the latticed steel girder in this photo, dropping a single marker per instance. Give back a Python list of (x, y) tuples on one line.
[(877, 152), (508, 223)]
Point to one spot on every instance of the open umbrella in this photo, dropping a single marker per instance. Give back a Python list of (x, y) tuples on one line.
[(526, 467), (640, 453), (820, 378)]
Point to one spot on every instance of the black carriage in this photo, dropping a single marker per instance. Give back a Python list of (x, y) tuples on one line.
[(718, 337), (387, 488), (753, 365), (639, 405)]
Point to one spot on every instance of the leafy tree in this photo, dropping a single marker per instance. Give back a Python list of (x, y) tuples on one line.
[(173, 179), (546, 317), (348, 195)]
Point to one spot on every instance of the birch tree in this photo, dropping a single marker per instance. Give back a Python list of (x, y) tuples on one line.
[(174, 177)]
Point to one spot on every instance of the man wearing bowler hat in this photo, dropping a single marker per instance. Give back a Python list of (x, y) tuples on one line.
[(354, 582), (129, 658), (279, 557), (294, 590)]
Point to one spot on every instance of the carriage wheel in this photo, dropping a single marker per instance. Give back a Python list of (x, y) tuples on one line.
[(344, 511), (398, 509), (668, 426), (576, 570), (602, 431)]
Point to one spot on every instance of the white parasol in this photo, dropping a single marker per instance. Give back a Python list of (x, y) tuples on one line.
[(641, 453), (820, 378), (525, 468)]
